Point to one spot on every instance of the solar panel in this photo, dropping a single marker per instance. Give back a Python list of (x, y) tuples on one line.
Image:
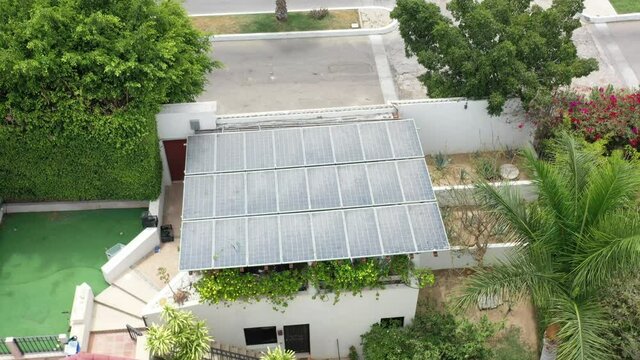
[(261, 192), (289, 148), (263, 240), (385, 185), (375, 141), (296, 237), (395, 230), (230, 194), (230, 152), (330, 239), (323, 187), (259, 148), (230, 243), (414, 177), (346, 143), (201, 154), (404, 139), (354, 185), (428, 228), (292, 195), (317, 145), (363, 233), (292, 190), (197, 251)]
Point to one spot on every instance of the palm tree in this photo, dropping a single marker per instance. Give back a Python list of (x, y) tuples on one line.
[(278, 354), (281, 10), (583, 231), (181, 337)]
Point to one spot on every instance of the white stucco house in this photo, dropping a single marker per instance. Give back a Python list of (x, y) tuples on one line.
[(261, 198)]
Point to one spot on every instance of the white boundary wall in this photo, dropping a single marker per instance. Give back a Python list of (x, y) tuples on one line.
[(133, 252), (174, 120), (454, 126), (345, 321), (445, 197), (81, 318)]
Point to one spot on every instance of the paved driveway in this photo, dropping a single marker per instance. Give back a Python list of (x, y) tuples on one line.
[(271, 75), (626, 35)]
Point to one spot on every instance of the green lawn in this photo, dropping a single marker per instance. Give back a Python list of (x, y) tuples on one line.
[(260, 23), (43, 256), (626, 6)]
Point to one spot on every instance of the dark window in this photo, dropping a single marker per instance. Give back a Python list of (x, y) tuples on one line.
[(260, 335), (392, 322)]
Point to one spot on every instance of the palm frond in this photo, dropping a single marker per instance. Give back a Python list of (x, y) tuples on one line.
[(612, 186), (507, 204), (611, 250), (583, 325), (511, 279), (553, 189)]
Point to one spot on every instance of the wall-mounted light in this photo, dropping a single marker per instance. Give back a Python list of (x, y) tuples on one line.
[(194, 124), (466, 105), (435, 254)]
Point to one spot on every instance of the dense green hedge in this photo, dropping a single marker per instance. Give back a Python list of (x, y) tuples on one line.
[(34, 167), (80, 84)]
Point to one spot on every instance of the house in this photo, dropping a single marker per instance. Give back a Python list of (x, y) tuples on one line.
[(266, 199)]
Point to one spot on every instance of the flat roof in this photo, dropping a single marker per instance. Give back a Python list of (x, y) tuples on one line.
[(266, 197)]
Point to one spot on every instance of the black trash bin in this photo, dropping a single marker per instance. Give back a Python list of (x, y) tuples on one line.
[(148, 220), (166, 233)]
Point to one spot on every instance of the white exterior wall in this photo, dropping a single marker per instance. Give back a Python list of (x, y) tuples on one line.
[(444, 125), (345, 321), (174, 119)]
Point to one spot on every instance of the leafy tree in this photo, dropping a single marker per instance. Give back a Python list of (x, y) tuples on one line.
[(493, 49), (278, 354), (431, 336), (583, 232), (281, 10), (182, 337), (80, 83)]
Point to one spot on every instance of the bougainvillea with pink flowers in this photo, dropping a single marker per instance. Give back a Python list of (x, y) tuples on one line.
[(608, 114)]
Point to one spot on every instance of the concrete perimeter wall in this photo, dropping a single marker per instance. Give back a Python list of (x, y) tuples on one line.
[(455, 126), (72, 206), (329, 323)]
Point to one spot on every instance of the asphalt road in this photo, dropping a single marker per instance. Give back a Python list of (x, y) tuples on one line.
[(232, 6), (621, 44), (269, 75)]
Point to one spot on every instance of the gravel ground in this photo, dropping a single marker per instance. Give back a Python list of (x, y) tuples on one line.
[(374, 18)]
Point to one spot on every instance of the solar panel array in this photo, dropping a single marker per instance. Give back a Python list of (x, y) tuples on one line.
[(307, 194)]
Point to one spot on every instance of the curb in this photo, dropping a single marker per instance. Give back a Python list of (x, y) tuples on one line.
[(303, 34), (610, 18)]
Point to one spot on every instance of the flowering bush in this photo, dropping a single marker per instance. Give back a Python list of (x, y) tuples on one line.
[(606, 114)]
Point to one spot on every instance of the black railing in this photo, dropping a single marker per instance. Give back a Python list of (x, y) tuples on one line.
[(4, 350), (219, 354), (133, 332), (38, 344)]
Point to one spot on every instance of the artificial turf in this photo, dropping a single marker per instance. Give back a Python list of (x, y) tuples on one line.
[(43, 256)]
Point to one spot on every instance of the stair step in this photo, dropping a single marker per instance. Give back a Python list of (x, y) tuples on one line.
[(118, 299), (132, 283), (106, 318)]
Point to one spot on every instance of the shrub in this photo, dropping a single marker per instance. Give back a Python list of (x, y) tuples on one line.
[(432, 335), (328, 277), (182, 337), (319, 14), (605, 114), (621, 299), (353, 353), (486, 168)]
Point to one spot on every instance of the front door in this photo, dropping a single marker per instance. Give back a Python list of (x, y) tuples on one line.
[(296, 338), (176, 152)]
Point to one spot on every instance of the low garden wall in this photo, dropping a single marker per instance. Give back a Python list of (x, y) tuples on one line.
[(72, 206), (81, 317), (138, 248), (459, 257), (449, 195)]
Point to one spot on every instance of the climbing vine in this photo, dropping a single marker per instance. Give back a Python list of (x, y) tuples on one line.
[(327, 277)]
